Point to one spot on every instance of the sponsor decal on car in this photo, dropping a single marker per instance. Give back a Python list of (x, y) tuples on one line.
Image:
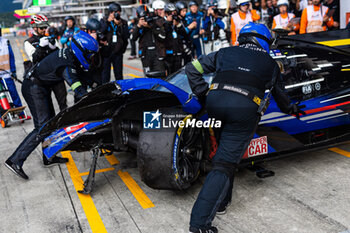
[(176, 143), (307, 89), (74, 128), (257, 146), (83, 130)]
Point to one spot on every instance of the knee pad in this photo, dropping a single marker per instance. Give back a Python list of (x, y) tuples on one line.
[(225, 167)]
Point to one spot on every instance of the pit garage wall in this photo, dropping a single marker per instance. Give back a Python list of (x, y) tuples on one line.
[(344, 13)]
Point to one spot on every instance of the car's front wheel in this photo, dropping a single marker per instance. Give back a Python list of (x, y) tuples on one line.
[(171, 158)]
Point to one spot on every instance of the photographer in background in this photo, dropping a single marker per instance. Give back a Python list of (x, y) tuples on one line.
[(181, 8), (193, 20), (53, 34), (40, 46), (151, 35), (132, 24), (213, 29), (69, 32), (158, 7), (117, 34), (174, 31), (94, 76)]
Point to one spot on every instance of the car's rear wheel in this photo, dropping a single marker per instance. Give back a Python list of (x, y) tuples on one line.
[(171, 158)]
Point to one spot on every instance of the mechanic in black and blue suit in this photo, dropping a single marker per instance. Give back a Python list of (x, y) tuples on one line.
[(67, 64), (193, 20), (243, 73), (69, 32)]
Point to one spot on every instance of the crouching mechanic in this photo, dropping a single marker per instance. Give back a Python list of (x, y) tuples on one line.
[(233, 99), (65, 64)]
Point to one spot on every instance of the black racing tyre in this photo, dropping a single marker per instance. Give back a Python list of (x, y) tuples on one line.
[(171, 158)]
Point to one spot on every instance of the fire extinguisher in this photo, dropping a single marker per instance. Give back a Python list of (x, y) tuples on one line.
[(3, 98)]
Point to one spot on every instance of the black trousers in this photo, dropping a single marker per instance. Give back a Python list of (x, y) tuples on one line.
[(60, 92), (40, 105), (133, 48), (239, 121), (117, 61), (173, 63), (187, 58), (152, 62)]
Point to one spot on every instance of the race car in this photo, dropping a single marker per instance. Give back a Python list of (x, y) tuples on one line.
[(138, 115)]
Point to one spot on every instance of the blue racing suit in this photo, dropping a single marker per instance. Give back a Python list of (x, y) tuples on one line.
[(68, 33), (211, 27), (194, 33)]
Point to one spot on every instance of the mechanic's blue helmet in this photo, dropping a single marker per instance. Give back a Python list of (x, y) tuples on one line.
[(257, 34), (84, 47)]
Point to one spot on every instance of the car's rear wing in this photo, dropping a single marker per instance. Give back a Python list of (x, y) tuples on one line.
[(339, 39)]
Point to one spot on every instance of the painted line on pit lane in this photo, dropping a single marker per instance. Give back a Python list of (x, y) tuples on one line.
[(340, 151), (18, 44), (23, 55), (335, 43), (132, 75), (86, 201), (112, 159), (98, 171), (21, 50), (135, 189), (131, 67)]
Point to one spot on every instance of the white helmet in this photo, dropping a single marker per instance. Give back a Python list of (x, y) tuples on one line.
[(283, 2), (39, 20), (158, 4), (240, 2)]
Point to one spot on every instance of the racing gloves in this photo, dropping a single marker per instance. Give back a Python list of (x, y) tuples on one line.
[(295, 109), (44, 41)]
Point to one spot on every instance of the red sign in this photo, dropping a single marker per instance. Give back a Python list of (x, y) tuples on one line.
[(83, 130), (257, 146), (74, 128), (347, 18)]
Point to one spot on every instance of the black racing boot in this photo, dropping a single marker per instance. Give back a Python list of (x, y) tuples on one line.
[(204, 230), (54, 161), (16, 169), (222, 209)]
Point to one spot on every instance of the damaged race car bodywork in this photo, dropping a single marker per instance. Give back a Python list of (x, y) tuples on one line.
[(113, 116)]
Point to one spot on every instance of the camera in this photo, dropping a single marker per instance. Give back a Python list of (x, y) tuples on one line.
[(52, 39), (176, 18), (150, 17), (101, 36), (117, 16)]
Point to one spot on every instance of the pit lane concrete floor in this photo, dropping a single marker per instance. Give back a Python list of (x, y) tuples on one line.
[(309, 193)]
